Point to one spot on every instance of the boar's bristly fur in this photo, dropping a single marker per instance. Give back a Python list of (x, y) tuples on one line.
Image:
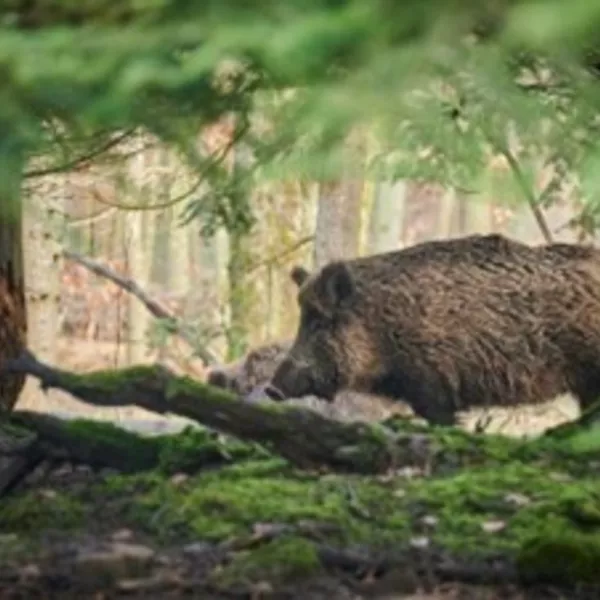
[(450, 325)]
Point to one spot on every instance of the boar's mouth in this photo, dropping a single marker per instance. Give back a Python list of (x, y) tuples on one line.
[(294, 379), (285, 388)]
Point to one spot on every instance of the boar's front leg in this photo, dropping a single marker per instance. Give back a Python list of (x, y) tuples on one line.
[(430, 400)]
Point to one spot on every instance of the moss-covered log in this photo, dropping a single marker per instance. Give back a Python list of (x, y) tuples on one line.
[(27, 438), (302, 436)]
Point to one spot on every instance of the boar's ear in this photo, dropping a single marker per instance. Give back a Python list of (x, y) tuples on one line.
[(337, 286), (299, 275)]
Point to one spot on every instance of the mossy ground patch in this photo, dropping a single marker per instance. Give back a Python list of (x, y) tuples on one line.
[(491, 494)]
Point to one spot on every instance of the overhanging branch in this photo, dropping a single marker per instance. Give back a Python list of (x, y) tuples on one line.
[(154, 308)]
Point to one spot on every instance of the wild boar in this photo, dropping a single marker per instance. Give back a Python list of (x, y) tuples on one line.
[(449, 325)]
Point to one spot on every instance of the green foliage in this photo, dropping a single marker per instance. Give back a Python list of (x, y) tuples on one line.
[(439, 84), (153, 64)]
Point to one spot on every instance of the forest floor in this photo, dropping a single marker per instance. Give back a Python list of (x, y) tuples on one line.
[(491, 517)]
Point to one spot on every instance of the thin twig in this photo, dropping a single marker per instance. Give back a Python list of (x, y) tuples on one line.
[(215, 162), (531, 198)]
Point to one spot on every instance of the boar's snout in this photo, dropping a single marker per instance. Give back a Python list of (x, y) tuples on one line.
[(295, 380)]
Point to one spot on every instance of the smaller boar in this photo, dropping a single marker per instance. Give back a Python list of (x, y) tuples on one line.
[(449, 326), (253, 372)]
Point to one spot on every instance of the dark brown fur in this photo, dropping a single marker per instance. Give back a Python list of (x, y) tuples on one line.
[(450, 325)]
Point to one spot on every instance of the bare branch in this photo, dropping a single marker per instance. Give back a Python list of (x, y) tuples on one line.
[(176, 326), (214, 162), (532, 199), (71, 164), (275, 258)]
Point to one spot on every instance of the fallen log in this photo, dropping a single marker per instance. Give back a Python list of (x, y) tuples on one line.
[(104, 445), (96, 444), (301, 436)]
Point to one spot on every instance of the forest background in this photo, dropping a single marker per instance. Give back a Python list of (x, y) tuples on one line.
[(202, 152)]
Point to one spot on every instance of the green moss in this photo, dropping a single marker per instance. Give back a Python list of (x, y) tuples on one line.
[(486, 493), (141, 452), (522, 497), (195, 448), (561, 557), (228, 502), (111, 380), (585, 442), (458, 449), (187, 451), (285, 559), (462, 500), (33, 512), (186, 385)]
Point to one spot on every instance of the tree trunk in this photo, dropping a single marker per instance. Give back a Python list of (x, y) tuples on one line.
[(13, 318), (43, 205), (387, 216), (139, 260), (446, 219), (338, 224), (241, 292), (239, 297), (138, 270)]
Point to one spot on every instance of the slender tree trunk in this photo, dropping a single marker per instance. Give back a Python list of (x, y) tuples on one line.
[(139, 260), (179, 254), (387, 216), (447, 214), (241, 292), (13, 317), (479, 216), (338, 221), (42, 207), (138, 270)]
